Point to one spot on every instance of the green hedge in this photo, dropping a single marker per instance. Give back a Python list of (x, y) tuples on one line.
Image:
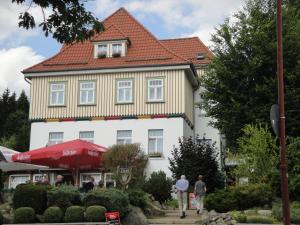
[(137, 198), (260, 219), (239, 198), (24, 215), (31, 195), (112, 199), (74, 214), (63, 196), (53, 215), (95, 213)]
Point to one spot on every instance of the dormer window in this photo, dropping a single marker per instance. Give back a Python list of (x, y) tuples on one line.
[(102, 51), (116, 50), (107, 49)]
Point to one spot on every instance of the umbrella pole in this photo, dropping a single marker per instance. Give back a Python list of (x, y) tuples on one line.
[(75, 174)]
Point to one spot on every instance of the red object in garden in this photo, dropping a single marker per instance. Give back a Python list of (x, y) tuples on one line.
[(70, 155), (113, 218)]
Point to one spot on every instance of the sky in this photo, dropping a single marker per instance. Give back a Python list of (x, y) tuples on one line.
[(20, 49)]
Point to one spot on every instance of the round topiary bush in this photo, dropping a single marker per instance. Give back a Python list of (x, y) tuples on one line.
[(24, 215), (74, 214), (95, 213), (53, 215)]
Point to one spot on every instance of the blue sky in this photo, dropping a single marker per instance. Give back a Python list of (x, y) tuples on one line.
[(20, 49)]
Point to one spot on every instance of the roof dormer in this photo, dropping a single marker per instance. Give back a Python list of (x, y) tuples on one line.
[(108, 49), (112, 42)]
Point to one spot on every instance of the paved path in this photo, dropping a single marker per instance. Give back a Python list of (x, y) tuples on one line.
[(173, 217)]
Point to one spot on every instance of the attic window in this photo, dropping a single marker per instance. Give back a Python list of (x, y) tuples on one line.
[(116, 50), (102, 51), (200, 56)]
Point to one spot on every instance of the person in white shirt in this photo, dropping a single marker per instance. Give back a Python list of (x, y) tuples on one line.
[(182, 185)]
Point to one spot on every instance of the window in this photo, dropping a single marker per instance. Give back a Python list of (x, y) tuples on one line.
[(87, 92), (55, 138), (109, 180), (37, 178), (124, 91), (85, 177), (102, 50), (15, 180), (205, 141), (155, 141), (87, 136), (117, 49), (155, 90), (57, 94), (124, 137)]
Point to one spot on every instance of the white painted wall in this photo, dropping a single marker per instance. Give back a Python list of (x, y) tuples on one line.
[(105, 134), (202, 127)]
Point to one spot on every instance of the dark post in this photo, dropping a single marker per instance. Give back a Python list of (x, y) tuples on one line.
[(283, 160)]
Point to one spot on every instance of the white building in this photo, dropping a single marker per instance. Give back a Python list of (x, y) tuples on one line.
[(122, 86)]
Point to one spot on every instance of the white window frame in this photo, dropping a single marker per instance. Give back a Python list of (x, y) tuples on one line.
[(51, 92), (84, 177), (124, 140), (149, 86), (39, 176), (106, 175), (119, 48), (87, 90), (11, 186), (89, 139), (55, 141), (124, 88), (99, 52), (155, 138)]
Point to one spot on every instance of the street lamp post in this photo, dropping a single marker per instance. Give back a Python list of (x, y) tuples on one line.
[(283, 160)]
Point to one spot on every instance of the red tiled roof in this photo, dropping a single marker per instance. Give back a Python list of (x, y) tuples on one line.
[(189, 48), (145, 49)]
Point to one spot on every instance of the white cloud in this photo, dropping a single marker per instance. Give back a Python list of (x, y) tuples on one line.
[(198, 17), (10, 33), (12, 62)]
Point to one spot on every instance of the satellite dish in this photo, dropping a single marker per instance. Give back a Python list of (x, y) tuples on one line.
[(274, 117)]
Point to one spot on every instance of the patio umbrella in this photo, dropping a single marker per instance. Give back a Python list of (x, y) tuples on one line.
[(71, 155)]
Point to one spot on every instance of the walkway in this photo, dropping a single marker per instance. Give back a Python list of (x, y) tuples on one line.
[(172, 217)]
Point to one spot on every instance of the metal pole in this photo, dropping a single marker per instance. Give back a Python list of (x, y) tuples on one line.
[(283, 160)]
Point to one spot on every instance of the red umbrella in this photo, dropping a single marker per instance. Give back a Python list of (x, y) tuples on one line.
[(72, 155)]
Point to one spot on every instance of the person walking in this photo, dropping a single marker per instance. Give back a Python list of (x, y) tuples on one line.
[(181, 186), (200, 190)]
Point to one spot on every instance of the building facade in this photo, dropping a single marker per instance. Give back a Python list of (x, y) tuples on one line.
[(122, 86)]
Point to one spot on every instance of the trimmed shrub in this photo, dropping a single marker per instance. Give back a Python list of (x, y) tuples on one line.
[(112, 199), (53, 215), (74, 214), (63, 196), (159, 186), (24, 215), (30, 195), (95, 213), (221, 201), (260, 219), (238, 216), (137, 198), (239, 198)]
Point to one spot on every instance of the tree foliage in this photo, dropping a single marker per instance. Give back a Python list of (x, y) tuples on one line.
[(294, 167), (14, 123), (193, 158), (159, 186), (258, 155), (241, 83), (127, 156), (68, 21)]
